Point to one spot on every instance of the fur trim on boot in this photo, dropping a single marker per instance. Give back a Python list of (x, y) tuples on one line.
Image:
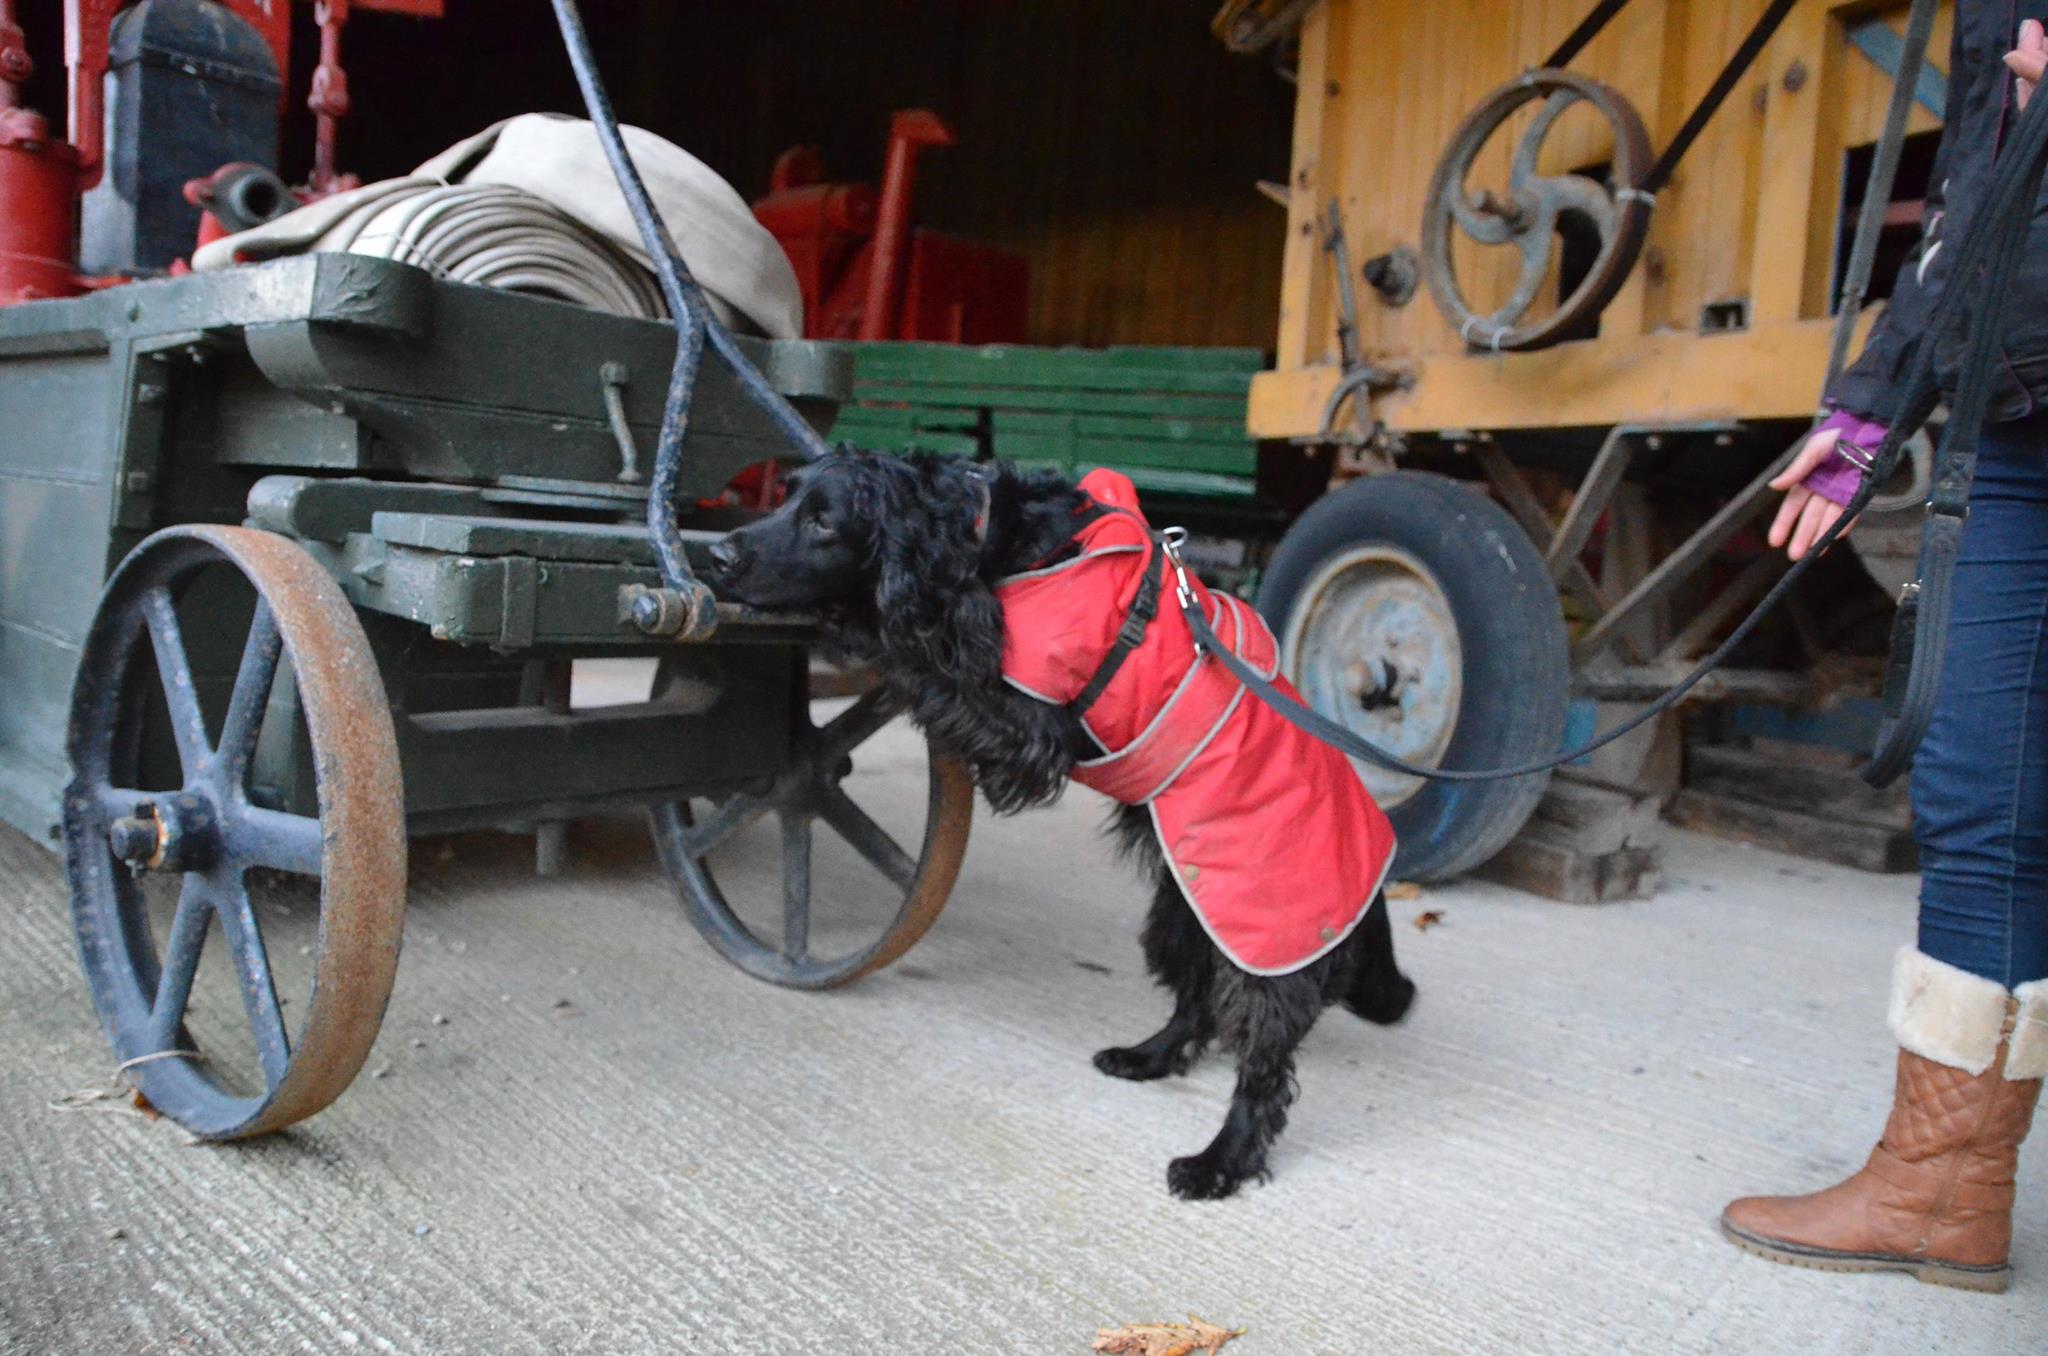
[(2027, 1055), (1947, 1015)]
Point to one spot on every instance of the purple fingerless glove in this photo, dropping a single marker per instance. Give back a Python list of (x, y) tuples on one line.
[(1838, 478)]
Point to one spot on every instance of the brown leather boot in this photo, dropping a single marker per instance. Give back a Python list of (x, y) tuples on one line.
[(1935, 1199)]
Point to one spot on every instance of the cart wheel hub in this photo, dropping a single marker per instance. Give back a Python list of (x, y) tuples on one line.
[(1514, 210), (181, 833), (1373, 641), (1376, 686)]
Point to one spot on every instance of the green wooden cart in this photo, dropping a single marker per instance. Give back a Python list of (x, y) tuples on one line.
[(297, 561)]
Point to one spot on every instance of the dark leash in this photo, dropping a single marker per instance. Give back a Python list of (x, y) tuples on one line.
[(697, 328)]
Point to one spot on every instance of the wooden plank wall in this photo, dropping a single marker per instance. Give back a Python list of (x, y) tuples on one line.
[(1116, 146)]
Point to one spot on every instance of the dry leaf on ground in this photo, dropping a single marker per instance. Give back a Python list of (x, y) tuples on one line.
[(1165, 1339), (1428, 919), (1404, 889)]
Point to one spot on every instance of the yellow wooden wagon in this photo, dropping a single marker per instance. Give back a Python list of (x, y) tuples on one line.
[(1475, 285)]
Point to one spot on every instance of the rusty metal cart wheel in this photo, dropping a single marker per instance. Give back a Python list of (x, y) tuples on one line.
[(140, 715), (1535, 210), (1418, 614), (809, 791)]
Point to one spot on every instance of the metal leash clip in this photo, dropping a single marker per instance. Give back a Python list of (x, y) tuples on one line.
[(1170, 541)]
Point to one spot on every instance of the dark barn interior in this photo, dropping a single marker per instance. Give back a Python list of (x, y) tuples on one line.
[(1116, 147)]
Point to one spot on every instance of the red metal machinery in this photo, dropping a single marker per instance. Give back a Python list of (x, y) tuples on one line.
[(867, 273), (42, 178)]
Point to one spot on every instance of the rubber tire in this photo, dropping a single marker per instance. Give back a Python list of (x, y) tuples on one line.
[(1517, 679)]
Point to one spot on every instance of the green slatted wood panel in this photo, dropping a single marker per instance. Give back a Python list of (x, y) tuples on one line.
[(1173, 419)]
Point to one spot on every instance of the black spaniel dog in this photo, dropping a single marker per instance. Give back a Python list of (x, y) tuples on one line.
[(901, 555)]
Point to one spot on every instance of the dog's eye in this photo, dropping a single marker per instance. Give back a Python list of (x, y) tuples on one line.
[(815, 523)]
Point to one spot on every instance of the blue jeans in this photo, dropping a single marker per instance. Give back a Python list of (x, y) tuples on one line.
[(1980, 781)]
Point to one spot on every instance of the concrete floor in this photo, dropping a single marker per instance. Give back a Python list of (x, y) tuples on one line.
[(683, 1159)]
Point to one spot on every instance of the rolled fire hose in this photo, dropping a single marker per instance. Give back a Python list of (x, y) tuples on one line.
[(495, 236)]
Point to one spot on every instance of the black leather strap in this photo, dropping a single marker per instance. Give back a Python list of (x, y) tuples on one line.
[(1745, 56), (1588, 29), (1129, 636)]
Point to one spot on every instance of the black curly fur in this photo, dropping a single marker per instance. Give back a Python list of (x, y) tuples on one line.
[(932, 625), (915, 598)]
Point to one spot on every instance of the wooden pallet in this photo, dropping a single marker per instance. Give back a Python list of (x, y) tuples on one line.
[(1587, 844), (1796, 799)]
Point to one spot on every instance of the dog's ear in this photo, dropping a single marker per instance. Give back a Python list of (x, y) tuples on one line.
[(931, 607)]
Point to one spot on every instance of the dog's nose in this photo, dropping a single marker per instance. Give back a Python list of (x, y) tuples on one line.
[(725, 553)]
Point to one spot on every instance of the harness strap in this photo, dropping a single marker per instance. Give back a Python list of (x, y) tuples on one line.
[(1129, 636)]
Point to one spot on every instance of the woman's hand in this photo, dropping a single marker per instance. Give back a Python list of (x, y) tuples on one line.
[(2029, 60), (1804, 515)]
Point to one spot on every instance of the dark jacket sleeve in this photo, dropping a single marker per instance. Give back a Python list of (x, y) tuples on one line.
[(1862, 386)]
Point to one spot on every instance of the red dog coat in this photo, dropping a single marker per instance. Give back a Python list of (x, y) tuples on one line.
[(1272, 837)]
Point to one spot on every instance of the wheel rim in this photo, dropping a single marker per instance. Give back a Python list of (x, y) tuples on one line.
[(1372, 642), (807, 792), (305, 643)]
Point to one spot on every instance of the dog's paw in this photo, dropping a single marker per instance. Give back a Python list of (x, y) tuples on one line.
[(1134, 1062), (1383, 1002), (1203, 1177)]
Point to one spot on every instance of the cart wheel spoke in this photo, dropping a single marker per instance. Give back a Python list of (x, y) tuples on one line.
[(1530, 147), (277, 840), (121, 802), (1561, 193), (1536, 248), (868, 838), (796, 886), (181, 695), (734, 814), (180, 961), (253, 680), (252, 976), (855, 725)]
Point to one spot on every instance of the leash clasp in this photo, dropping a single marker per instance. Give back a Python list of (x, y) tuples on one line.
[(1170, 541)]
